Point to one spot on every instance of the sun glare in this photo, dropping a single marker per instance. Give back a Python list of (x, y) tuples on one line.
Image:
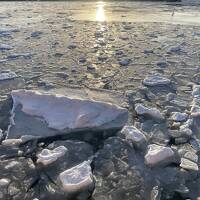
[(100, 13)]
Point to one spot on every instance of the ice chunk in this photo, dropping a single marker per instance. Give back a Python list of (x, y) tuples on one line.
[(62, 114), (47, 156), (77, 178), (135, 135), (158, 155)]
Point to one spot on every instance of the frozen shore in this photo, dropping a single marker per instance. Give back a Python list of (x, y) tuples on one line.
[(99, 101)]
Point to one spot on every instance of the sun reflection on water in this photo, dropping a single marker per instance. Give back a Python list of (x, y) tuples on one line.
[(100, 12)]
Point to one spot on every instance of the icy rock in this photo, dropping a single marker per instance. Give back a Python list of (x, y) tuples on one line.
[(162, 64), (124, 62), (156, 80), (157, 155), (59, 114), (188, 165), (21, 55), (36, 34), (77, 178), (134, 135), (47, 156), (5, 47), (148, 51), (174, 49), (72, 46), (5, 75), (179, 117), (152, 112)]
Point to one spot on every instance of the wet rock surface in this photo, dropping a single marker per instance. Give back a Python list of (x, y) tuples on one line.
[(147, 72)]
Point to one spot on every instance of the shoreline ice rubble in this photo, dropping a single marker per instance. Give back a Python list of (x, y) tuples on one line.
[(61, 113)]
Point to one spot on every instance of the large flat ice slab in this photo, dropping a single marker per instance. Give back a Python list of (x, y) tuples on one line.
[(39, 113)]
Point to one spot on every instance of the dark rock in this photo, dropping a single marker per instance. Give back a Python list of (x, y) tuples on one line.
[(20, 173), (36, 34), (119, 180), (124, 62), (71, 46)]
